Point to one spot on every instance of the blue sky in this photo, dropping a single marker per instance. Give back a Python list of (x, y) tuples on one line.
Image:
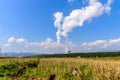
[(29, 26)]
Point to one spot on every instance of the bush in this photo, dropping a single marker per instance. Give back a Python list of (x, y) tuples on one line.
[(16, 69), (8, 69), (32, 64)]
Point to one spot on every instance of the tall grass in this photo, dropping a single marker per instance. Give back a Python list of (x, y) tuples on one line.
[(62, 68)]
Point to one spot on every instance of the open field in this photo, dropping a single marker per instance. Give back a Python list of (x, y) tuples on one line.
[(60, 68)]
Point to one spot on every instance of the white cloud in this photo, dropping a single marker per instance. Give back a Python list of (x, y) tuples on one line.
[(11, 40), (47, 44), (50, 46), (107, 6), (7, 45), (115, 42), (102, 44), (78, 16), (95, 43), (21, 40)]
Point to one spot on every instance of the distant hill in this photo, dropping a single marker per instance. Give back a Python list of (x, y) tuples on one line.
[(15, 54)]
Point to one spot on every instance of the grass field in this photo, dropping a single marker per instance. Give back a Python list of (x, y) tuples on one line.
[(60, 68)]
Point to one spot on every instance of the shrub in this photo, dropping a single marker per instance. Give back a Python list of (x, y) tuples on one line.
[(16, 69)]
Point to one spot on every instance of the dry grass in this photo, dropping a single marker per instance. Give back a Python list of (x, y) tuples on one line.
[(99, 68)]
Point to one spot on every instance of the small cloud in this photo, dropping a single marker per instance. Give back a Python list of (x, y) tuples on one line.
[(48, 43), (11, 40), (21, 40), (95, 43)]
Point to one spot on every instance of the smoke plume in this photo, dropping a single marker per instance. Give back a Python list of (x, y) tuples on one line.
[(58, 21), (77, 17)]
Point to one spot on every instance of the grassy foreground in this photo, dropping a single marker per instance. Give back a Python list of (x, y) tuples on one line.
[(60, 68)]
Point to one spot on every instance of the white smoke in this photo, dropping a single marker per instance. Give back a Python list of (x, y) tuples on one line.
[(78, 16), (58, 18)]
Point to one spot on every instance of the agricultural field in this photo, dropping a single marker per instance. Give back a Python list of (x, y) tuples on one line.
[(60, 68)]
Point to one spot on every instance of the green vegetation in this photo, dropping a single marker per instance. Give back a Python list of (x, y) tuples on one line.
[(94, 54), (60, 68), (14, 70)]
